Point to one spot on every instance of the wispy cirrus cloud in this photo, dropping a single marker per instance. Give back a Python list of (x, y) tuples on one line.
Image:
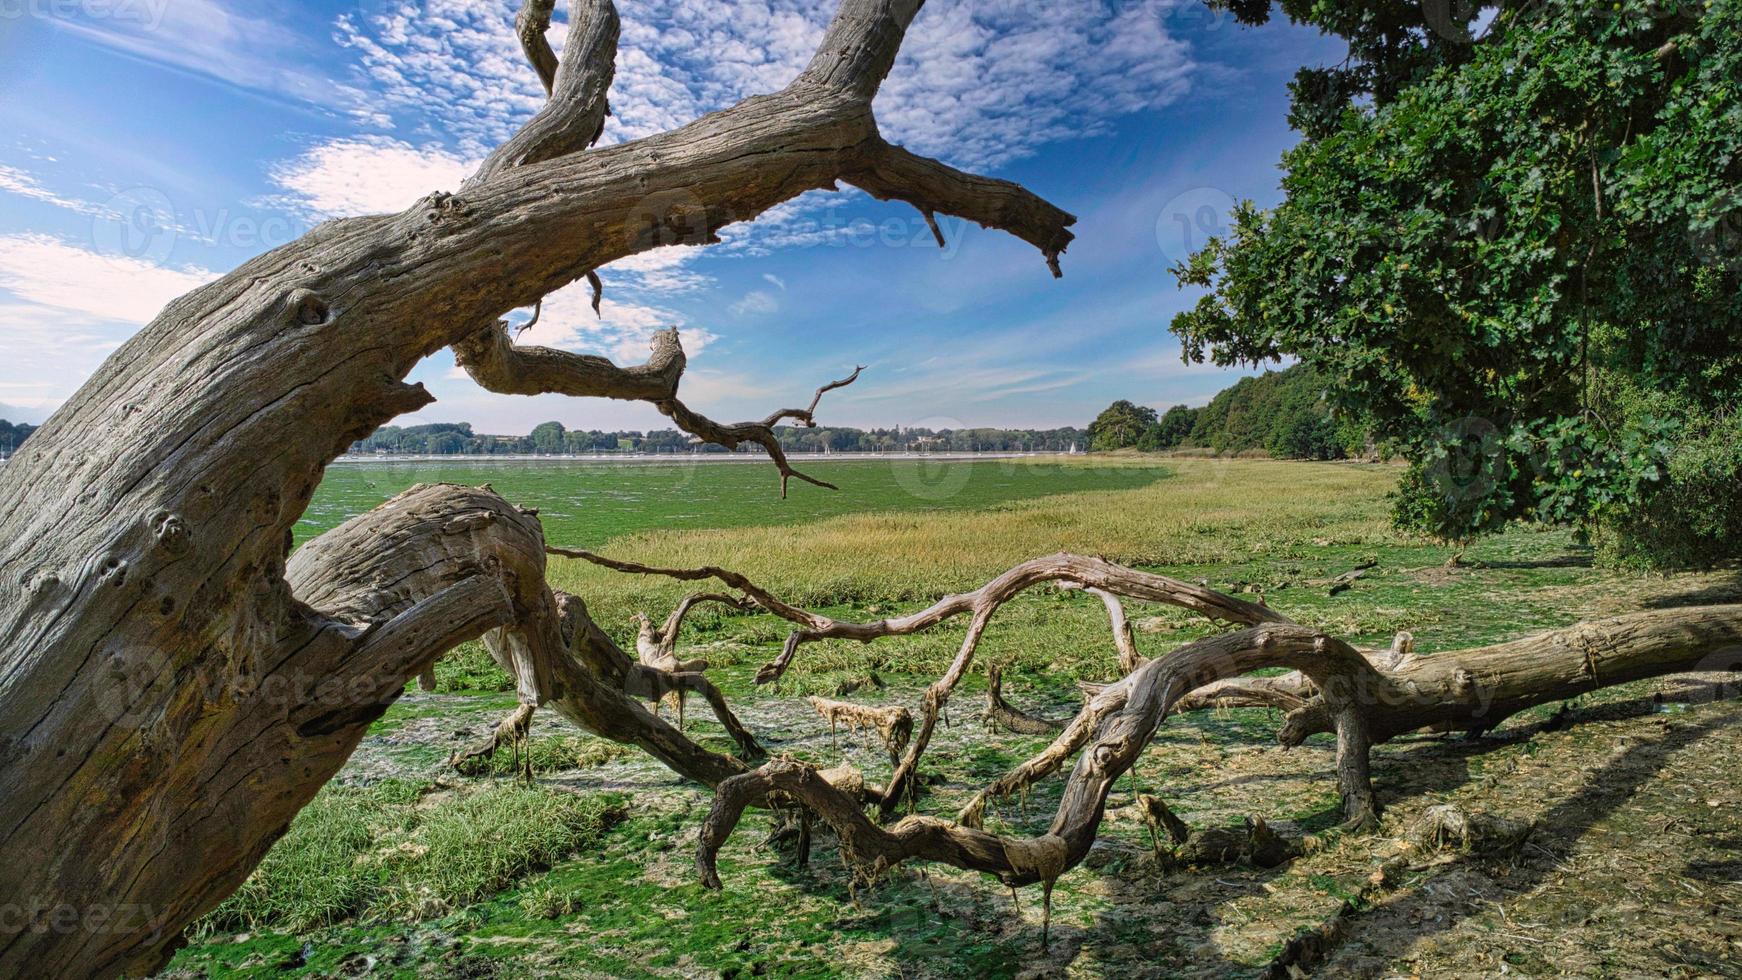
[(26, 185), (63, 308), (977, 83), (240, 43)]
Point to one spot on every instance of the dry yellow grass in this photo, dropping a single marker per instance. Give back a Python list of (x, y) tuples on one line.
[(1206, 511)]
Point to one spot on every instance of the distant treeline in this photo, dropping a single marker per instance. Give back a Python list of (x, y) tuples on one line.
[(1282, 413), (13, 434), (552, 438)]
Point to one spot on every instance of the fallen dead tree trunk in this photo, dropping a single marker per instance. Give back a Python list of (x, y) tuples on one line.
[(1360, 702)]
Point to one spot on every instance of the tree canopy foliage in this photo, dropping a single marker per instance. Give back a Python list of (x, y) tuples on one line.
[(13, 434), (1120, 425), (1516, 247), (1282, 413)]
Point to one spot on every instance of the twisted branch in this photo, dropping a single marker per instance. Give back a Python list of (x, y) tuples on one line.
[(1143, 699), (573, 117), (762, 433), (981, 604)]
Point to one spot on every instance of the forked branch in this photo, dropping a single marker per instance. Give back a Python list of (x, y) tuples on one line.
[(704, 429), (980, 605), (492, 359)]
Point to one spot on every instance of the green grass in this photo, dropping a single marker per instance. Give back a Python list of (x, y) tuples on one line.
[(1264, 529), (584, 503), (487, 878), (549, 753), (385, 851)]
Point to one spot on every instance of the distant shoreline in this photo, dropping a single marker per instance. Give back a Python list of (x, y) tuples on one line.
[(683, 458)]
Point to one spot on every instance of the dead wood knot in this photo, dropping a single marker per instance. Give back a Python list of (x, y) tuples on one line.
[(308, 308), (172, 534)]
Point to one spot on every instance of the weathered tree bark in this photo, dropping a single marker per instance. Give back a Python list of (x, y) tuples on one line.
[(165, 690), (1075, 571), (656, 647)]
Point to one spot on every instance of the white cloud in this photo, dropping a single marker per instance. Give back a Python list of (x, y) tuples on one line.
[(369, 175), (621, 330), (15, 181), (46, 272), (662, 270), (978, 83), (757, 302), (774, 280), (211, 38), (69, 308), (456, 64)]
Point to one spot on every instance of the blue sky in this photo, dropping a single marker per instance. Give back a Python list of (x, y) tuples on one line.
[(149, 145)]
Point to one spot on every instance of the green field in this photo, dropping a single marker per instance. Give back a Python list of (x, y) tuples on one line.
[(404, 867), (584, 503)]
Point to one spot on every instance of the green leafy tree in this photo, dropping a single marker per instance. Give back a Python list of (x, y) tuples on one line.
[(1175, 425), (549, 437), (1514, 248), (1284, 413), (1120, 425)]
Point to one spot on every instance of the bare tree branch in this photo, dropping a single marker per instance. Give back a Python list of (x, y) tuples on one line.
[(573, 118), (1144, 698), (762, 433), (496, 363), (981, 604), (1002, 713), (892, 173), (1078, 569), (530, 25)]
